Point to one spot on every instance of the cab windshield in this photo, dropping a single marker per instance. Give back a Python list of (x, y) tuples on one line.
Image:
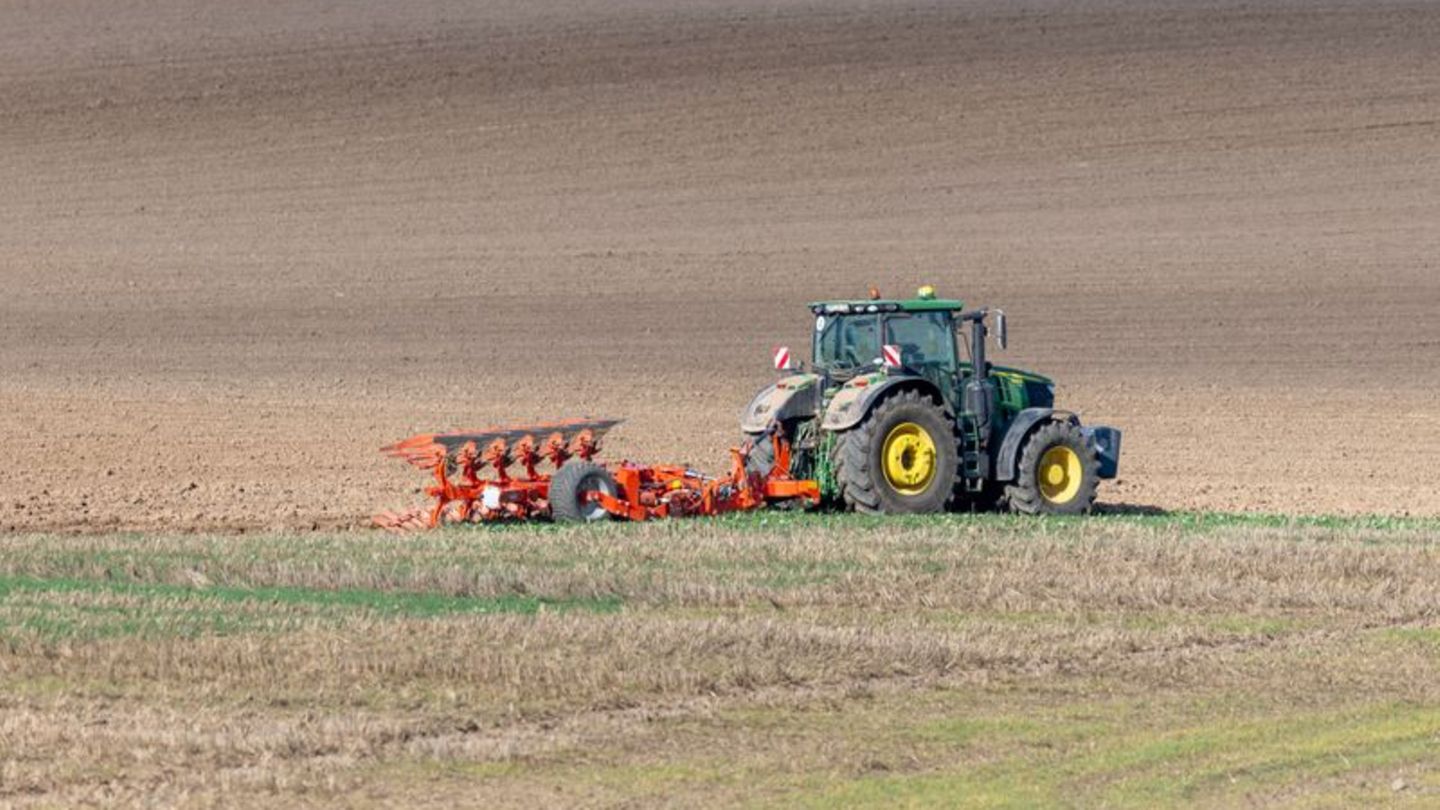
[(845, 342)]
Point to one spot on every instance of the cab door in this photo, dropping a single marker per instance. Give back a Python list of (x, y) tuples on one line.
[(927, 346)]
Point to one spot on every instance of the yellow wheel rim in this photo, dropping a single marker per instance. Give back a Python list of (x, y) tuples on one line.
[(1060, 474), (909, 458)]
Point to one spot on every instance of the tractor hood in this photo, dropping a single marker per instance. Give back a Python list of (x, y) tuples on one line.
[(1021, 375), (1022, 389)]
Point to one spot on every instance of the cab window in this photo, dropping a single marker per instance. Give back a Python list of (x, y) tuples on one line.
[(847, 341), (924, 338)]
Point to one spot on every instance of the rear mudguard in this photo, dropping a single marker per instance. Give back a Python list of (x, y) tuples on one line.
[(1105, 440), (851, 403), (797, 395)]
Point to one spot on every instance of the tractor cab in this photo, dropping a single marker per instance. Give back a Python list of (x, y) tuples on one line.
[(847, 343), (851, 338)]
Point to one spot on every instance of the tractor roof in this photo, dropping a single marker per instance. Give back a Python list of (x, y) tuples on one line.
[(886, 305)]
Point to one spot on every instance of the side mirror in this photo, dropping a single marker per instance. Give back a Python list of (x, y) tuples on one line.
[(1002, 335), (782, 358)]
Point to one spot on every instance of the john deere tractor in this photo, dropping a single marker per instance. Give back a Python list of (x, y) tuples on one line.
[(902, 413)]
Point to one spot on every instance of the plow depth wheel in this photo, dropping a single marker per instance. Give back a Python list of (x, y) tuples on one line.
[(569, 486)]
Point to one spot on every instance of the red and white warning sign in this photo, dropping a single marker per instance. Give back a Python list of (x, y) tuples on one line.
[(782, 358), (890, 353)]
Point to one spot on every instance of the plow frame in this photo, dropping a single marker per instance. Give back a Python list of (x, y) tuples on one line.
[(461, 494), (673, 491)]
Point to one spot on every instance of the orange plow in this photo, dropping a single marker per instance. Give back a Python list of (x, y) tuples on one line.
[(474, 481)]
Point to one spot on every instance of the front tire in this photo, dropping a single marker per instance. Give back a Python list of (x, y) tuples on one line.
[(1058, 473), (901, 460)]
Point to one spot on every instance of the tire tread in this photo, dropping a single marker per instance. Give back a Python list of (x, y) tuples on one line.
[(565, 486)]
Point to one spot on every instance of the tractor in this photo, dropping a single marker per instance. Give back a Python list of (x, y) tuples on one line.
[(900, 412)]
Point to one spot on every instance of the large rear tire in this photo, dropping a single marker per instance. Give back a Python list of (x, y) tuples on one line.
[(568, 488), (762, 453), (901, 460), (1058, 473)]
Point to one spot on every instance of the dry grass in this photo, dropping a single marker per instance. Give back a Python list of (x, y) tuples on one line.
[(1119, 660)]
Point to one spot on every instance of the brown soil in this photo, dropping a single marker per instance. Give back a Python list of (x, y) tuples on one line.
[(246, 244)]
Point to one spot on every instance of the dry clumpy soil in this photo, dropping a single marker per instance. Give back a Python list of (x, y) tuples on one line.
[(244, 245)]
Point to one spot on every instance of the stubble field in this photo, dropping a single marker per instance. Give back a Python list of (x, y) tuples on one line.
[(978, 661), (244, 245)]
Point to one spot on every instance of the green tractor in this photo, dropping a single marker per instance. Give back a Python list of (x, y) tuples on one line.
[(900, 413)]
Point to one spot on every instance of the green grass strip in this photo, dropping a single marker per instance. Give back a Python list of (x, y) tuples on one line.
[(774, 519), (398, 604)]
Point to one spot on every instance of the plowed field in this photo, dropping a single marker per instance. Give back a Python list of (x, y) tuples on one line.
[(244, 245)]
